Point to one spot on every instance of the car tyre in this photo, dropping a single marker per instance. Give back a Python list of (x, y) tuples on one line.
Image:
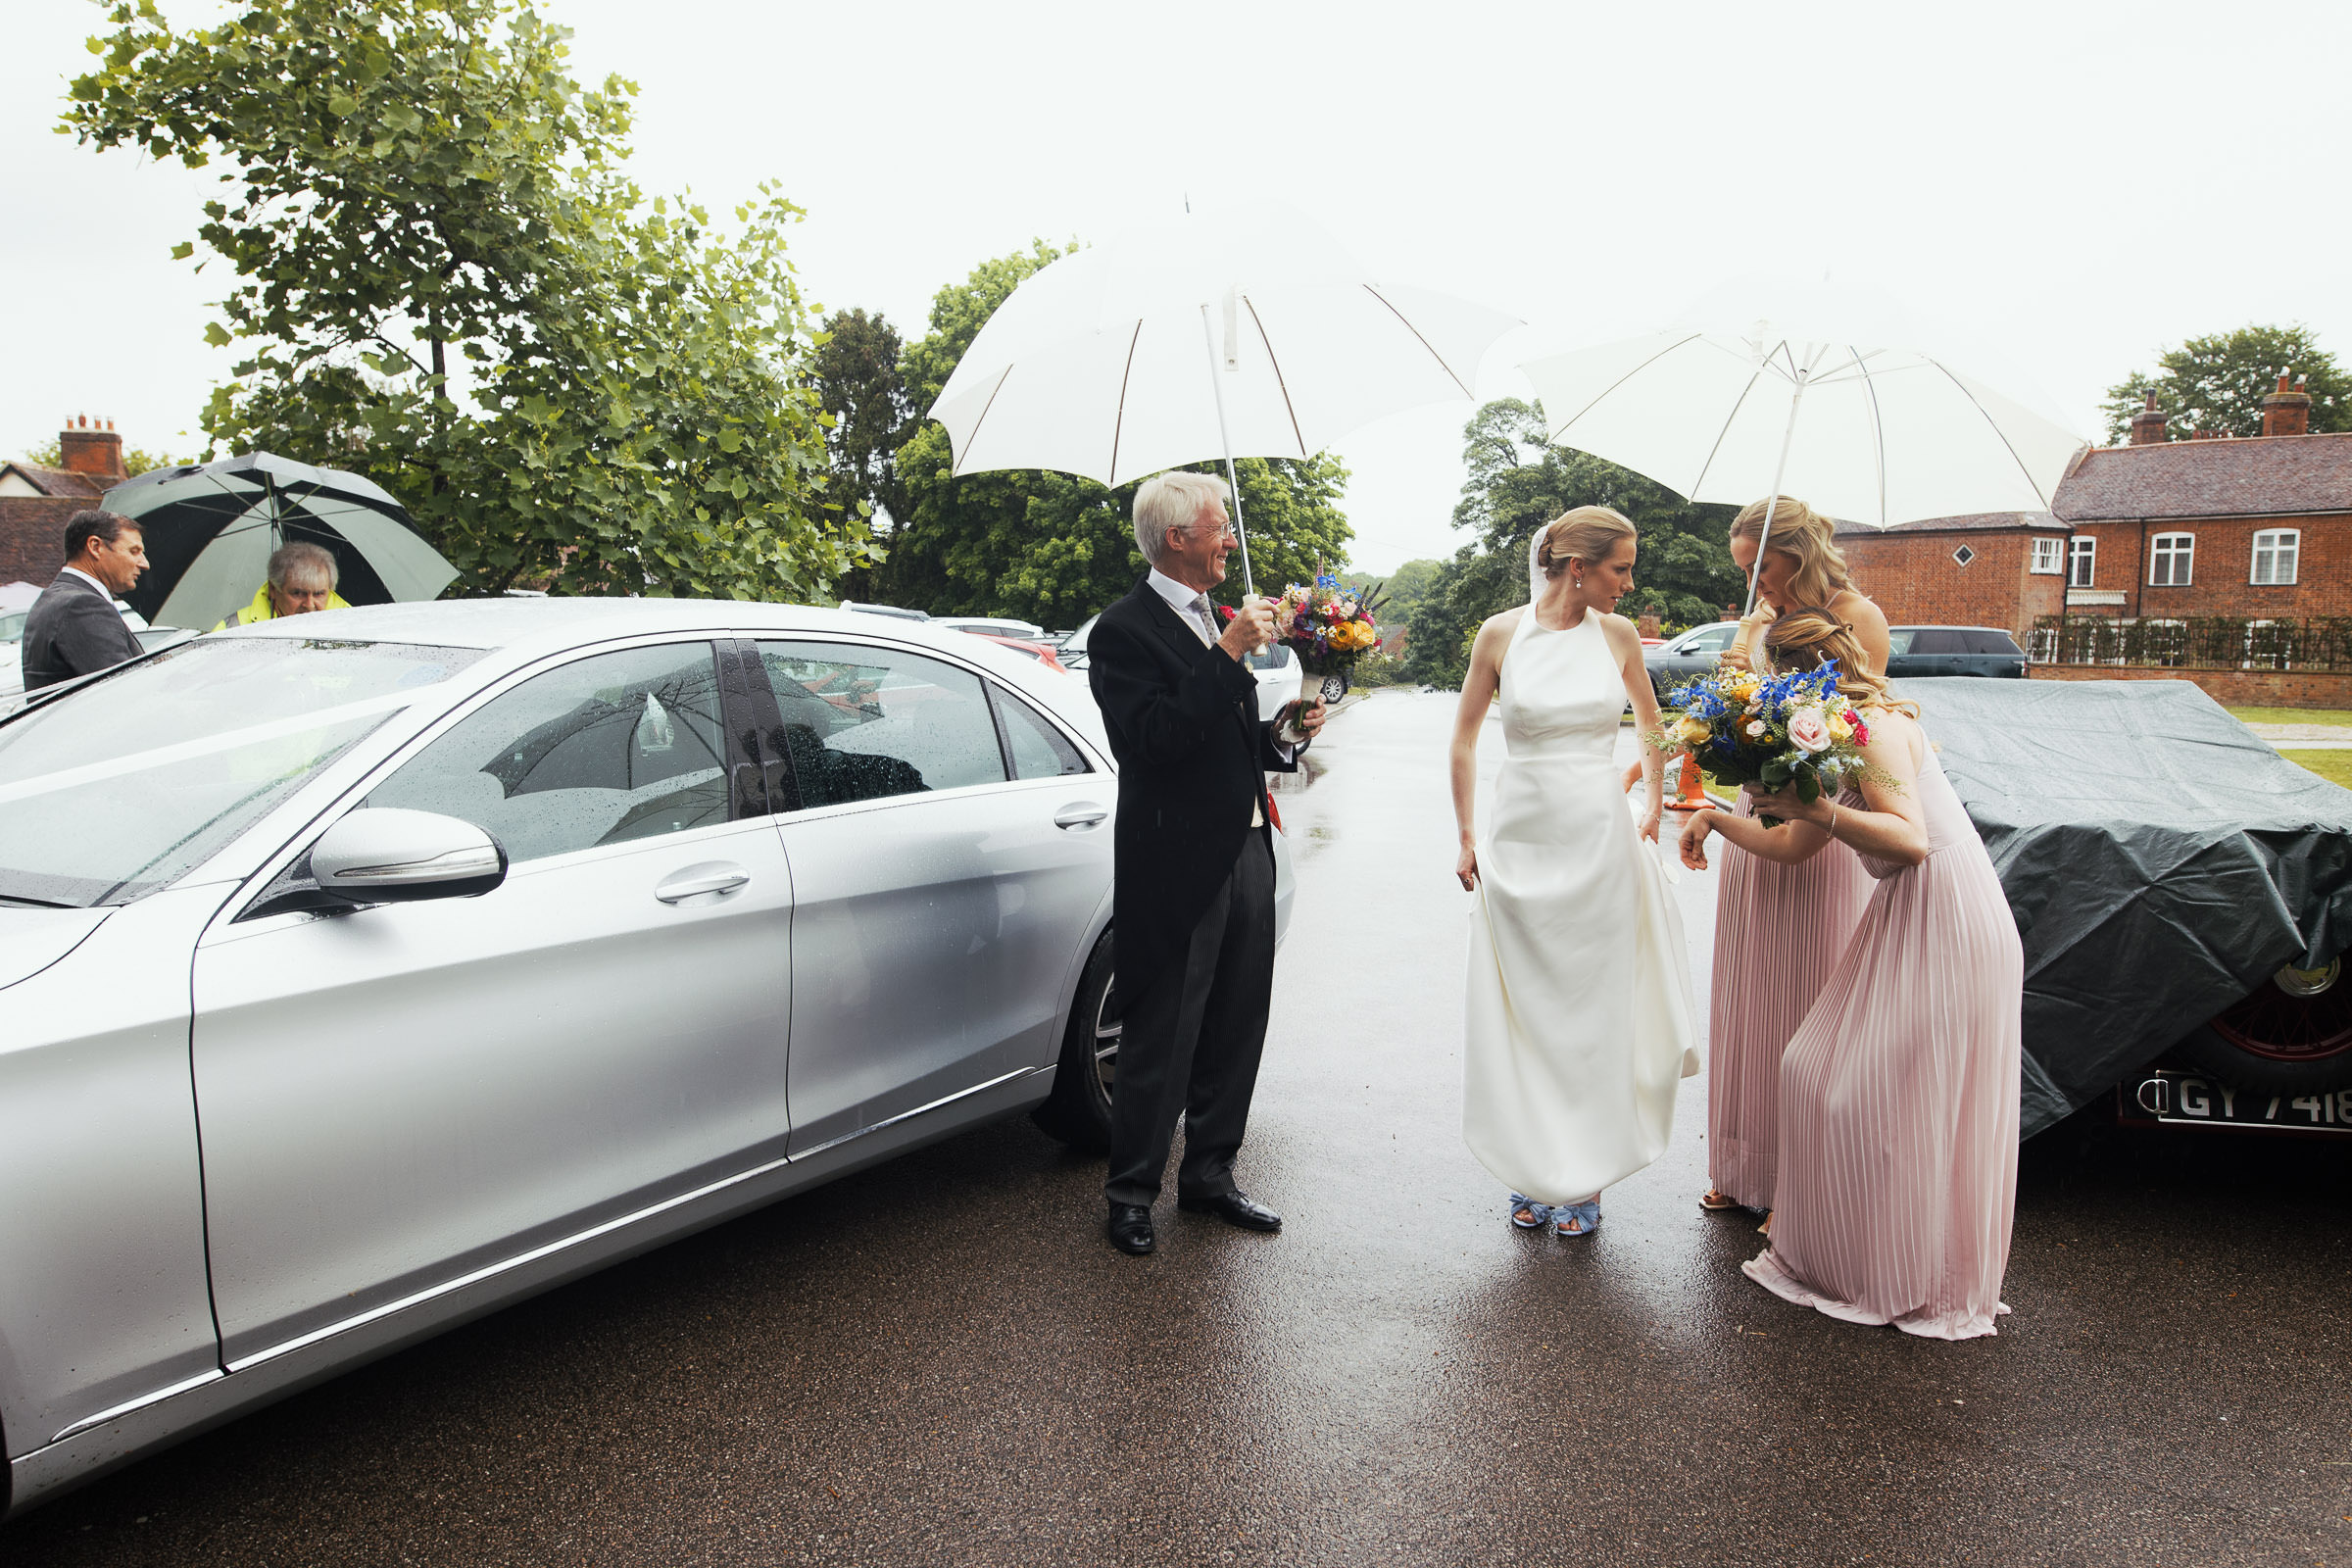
[(2291, 1035), (1078, 1111)]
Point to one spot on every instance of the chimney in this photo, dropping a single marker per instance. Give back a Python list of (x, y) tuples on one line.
[(2285, 413), (2147, 425), (93, 447)]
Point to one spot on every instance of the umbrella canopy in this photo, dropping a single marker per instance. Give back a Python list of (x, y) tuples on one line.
[(1252, 334), (1771, 388), (210, 528)]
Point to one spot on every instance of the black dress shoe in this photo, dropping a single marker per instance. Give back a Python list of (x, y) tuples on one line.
[(1130, 1228), (1234, 1208)]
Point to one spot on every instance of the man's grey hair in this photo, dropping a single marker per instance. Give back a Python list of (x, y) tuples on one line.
[(310, 560), (1172, 499)]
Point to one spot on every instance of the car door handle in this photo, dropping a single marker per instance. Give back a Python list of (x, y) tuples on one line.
[(712, 876), (1079, 815)]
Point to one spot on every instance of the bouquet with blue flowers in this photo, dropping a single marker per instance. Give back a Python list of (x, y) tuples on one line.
[(1778, 731)]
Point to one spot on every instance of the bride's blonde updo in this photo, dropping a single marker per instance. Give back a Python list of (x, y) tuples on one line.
[(1583, 534), (1802, 639)]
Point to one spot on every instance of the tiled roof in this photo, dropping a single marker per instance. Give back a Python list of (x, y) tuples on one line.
[(61, 481), (2254, 477), (1969, 523)]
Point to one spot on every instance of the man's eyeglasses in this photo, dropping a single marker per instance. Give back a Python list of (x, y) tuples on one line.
[(1224, 530)]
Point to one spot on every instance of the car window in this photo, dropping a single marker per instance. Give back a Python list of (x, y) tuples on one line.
[(1991, 641), (1038, 749), (1707, 642), (1898, 640), (1274, 658), (603, 750), (1938, 640), (864, 723), (181, 752)]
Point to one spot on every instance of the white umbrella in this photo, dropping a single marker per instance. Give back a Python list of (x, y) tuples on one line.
[(1252, 335), (1777, 388)]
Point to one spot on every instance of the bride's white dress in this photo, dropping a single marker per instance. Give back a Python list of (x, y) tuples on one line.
[(1580, 1012)]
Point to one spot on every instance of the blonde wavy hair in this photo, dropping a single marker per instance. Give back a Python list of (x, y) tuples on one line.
[(1584, 534), (1802, 639), (1810, 539)]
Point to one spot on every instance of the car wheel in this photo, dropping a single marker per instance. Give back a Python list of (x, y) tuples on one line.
[(1078, 1111), (2292, 1035)]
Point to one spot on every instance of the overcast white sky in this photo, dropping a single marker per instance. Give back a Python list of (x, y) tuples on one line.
[(2083, 183)]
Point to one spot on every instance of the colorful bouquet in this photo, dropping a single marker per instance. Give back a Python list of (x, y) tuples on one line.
[(1329, 628), (1792, 729)]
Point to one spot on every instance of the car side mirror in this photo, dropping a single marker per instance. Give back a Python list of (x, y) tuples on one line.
[(386, 855)]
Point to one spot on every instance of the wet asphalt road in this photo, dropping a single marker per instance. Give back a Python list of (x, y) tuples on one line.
[(940, 1363)]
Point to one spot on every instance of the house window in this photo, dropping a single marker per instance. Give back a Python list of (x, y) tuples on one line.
[(1964, 555), (2169, 559), (2087, 556), (2046, 556), (2275, 556)]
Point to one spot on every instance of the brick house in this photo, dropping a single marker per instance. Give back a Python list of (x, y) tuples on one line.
[(35, 502), (2000, 568), (2258, 528)]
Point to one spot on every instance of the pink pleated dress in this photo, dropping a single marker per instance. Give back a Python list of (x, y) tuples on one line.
[(1763, 985), (1898, 1183)]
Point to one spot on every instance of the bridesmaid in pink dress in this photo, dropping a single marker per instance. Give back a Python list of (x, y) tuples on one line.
[(1762, 984), (1897, 1178)]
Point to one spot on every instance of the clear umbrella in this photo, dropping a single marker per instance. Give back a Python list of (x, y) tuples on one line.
[(1253, 335), (210, 528), (1777, 388)]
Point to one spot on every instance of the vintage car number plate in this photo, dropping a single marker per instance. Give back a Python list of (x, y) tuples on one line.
[(2176, 1098)]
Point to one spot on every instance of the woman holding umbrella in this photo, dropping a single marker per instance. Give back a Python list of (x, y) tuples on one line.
[(1763, 985)]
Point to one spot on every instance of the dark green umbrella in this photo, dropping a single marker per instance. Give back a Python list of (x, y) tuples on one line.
[(210, 528)]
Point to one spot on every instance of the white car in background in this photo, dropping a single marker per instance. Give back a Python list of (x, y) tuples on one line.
[(1276, 668), (991, 626)]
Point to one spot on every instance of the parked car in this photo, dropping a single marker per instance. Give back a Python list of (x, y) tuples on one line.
[(499, 939), (1043, 652), (1917, 652), (993, 626), (896, 611), (13, 695), (1694, 652), (2184, 894)]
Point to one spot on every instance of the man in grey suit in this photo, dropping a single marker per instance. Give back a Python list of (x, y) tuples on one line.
[(73, 628)]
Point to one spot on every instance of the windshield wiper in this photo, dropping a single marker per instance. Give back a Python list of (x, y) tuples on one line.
[(38, 904)]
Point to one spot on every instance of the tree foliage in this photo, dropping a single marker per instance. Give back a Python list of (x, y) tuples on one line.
[(2218, 383), (1053, 548), (860, 384), (444, 282), (1516, 482)]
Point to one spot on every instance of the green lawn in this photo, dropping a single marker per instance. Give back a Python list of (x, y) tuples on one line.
[(2334, 767), (2292, 716)]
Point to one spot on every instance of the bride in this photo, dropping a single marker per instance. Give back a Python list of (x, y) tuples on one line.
[(1580, 1014)]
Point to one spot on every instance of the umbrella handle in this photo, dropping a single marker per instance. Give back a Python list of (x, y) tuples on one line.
[(1780, 471), (1233, 478)]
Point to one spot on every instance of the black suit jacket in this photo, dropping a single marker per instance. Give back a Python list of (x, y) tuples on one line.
[(1192, 759), (73, 630)]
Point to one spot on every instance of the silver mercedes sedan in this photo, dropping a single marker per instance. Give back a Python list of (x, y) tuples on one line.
[(363, 971)]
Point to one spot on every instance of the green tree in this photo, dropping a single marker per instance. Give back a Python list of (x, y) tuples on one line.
[(860, 384), (2218, 383), (50, 454), (445, 283), (1053, 548), (1516, 481)]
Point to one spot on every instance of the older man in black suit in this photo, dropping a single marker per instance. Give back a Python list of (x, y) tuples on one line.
[(1193, 905), (73, 628)]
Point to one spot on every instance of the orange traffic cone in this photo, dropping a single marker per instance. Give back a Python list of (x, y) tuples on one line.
[(1693, 791)]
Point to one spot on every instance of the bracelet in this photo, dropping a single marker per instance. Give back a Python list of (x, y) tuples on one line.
[(1833, 819)]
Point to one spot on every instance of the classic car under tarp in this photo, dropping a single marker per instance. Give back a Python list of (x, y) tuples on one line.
[(2163, 863)]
